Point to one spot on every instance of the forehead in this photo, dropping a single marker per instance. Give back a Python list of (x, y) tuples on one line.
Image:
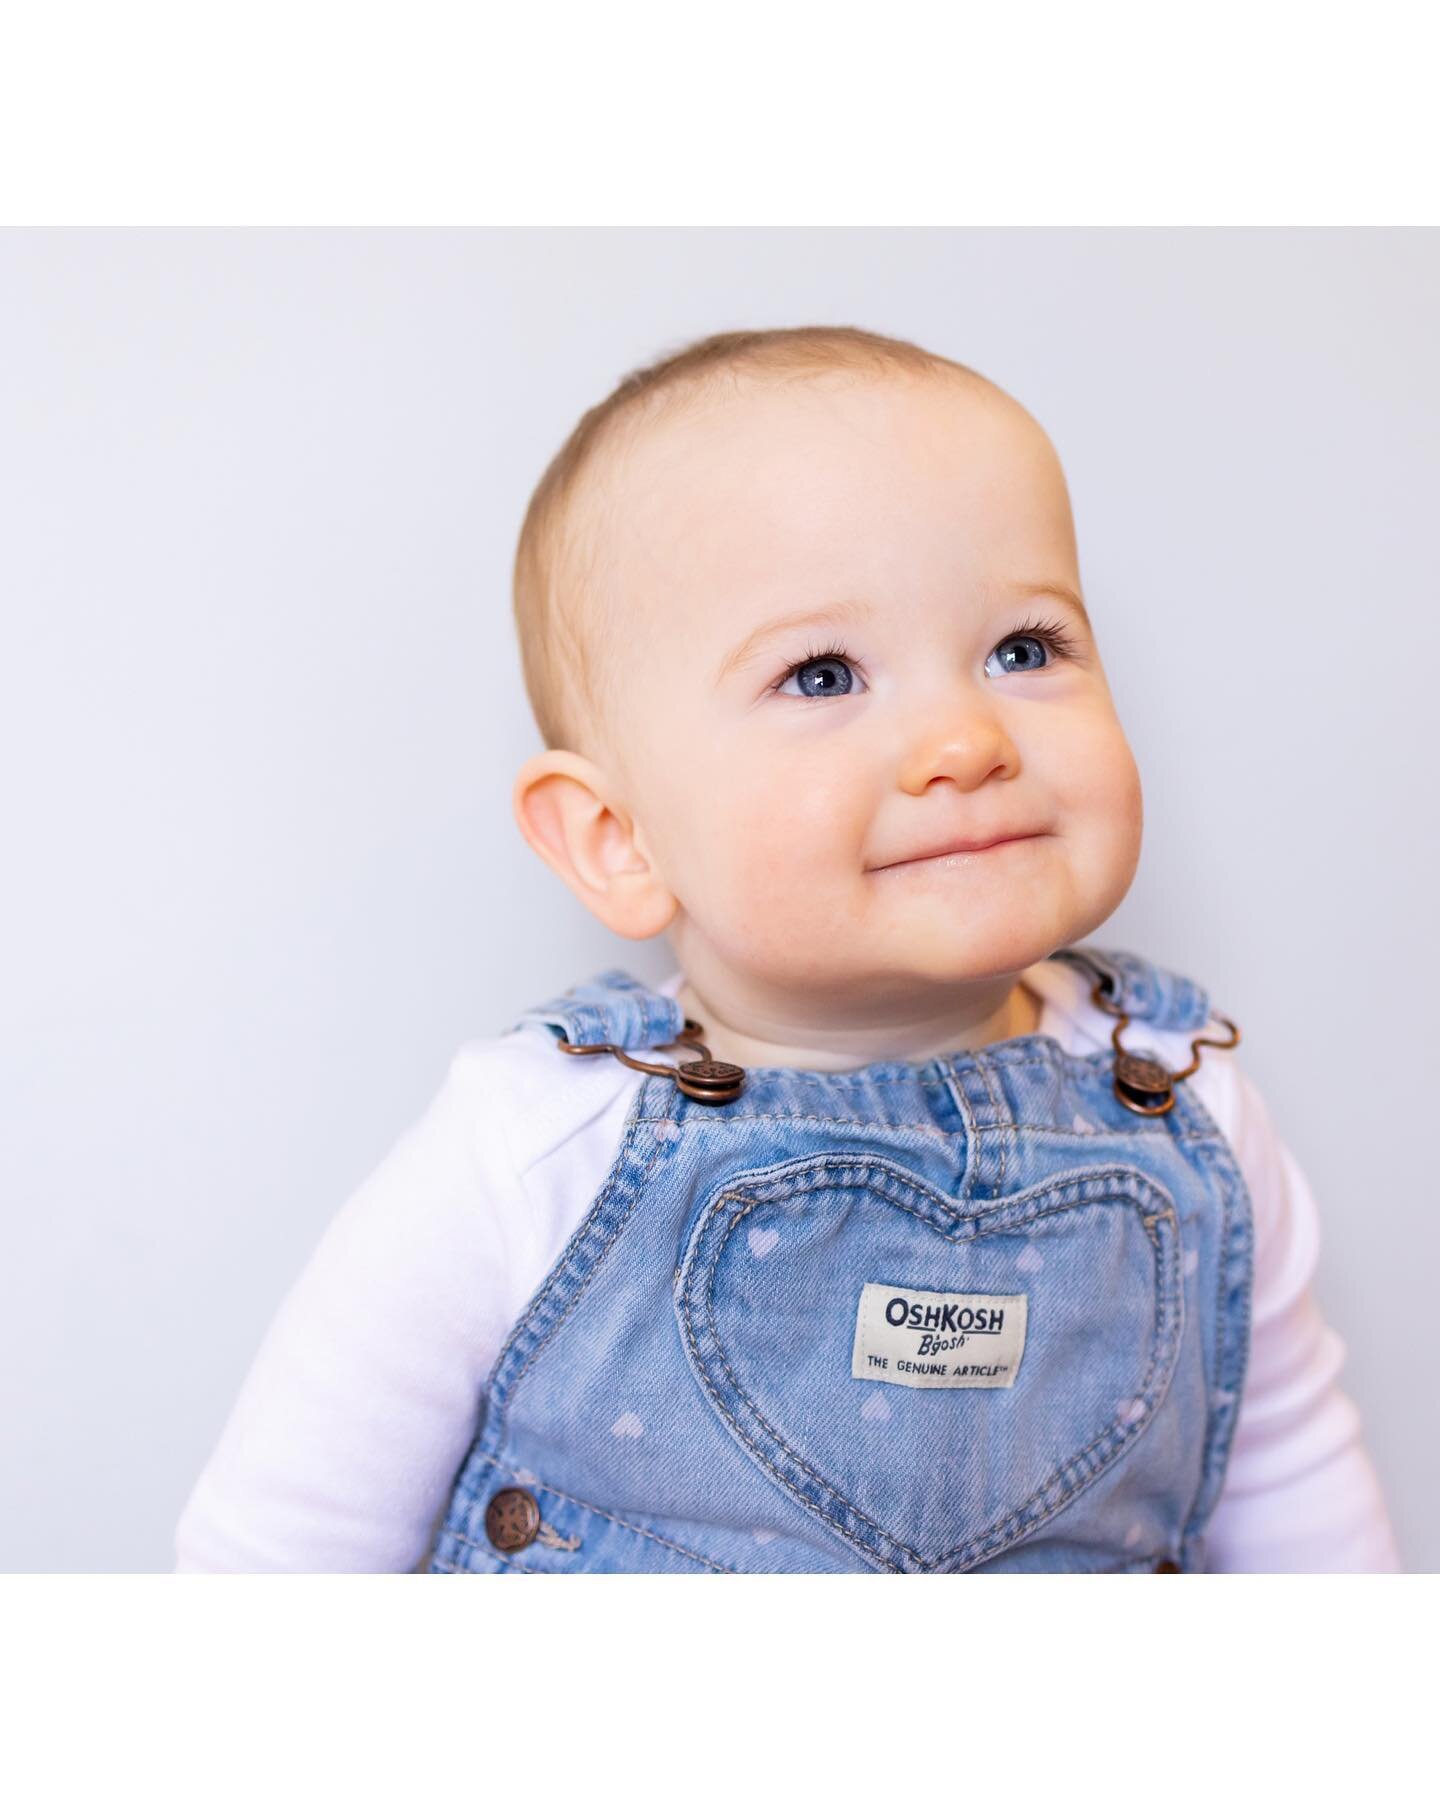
[(752, 498)]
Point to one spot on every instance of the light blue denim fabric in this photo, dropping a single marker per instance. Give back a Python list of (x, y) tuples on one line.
[(678, 1394)]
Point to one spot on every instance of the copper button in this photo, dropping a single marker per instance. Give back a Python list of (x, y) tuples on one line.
[(512, 1518), (1163, 1567)]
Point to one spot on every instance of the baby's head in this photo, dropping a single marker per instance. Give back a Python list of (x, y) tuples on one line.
[(798, 609)]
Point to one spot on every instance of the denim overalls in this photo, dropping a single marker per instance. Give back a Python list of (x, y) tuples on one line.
[(971, 1313)]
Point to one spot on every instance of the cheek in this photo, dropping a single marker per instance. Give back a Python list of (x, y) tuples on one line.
[(1098, 782), (779, 827), (777, 848)]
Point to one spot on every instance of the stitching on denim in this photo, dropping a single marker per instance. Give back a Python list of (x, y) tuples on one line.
[(794, 1118), (591, 1226), (557, 1268), (519, 1568), (1213, 1382), (698, 1363), (1233, 1298), (1115, 1133), (1022, 1521), (493, 1426), (1001, 1112), (504, 1565), (1222, 1256), (1218, 1168), (491, 1562), (552, 1540), (864, 1169), (809, 1177), (1019, 1522), (600, 1513), (1025, 1523), (607, 1244), (692, 1113), (1053, 1055), (1167, 1350), (788, 1450), (920, 1125), (1125, 1565), (970, 1148)]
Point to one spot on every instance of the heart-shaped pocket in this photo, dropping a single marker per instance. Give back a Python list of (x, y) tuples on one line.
[(1070, 1290)]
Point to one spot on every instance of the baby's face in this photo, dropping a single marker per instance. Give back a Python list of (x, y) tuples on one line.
[(787, 775)]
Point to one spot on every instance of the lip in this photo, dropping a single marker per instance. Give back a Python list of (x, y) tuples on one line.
[(961, 848)]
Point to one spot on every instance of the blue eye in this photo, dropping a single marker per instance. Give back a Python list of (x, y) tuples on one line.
[(1057, 644), (829, 670), (826, 673)]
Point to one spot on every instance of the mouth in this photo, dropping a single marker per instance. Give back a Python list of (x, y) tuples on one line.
[(957, 851)]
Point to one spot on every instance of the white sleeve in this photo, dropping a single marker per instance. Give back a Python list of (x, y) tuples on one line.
[(341, 1449), (1300, 1493)]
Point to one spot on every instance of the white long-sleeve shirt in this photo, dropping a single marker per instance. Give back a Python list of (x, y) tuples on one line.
[(363, 1399)]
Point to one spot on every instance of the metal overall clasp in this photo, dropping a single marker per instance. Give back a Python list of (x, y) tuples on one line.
[(711, 1083), (1143, 1083)]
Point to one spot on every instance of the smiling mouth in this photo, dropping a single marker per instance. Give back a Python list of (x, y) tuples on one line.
[(950, 855)]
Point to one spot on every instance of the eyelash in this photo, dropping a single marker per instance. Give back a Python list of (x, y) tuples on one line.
[(1050, 632)]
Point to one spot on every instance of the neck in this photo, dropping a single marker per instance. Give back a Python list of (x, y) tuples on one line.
[(1017, 1015)]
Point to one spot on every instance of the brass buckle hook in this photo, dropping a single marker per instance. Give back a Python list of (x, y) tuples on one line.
[(711, 1083), (1143, 1083)]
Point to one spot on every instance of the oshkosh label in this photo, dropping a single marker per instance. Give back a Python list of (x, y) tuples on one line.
[(919, 1339)]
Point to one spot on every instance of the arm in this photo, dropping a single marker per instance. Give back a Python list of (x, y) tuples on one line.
[(1300, 1493), (362, 1401)]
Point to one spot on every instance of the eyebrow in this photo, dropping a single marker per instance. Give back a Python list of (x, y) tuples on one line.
[(857, 611)]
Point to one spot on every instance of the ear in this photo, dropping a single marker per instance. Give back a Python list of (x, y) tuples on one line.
[(572, 818)]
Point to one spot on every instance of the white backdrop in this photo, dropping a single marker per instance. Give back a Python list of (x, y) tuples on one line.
[(260, 709)]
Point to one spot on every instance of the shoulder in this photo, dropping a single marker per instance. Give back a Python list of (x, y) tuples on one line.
[(518, 1088), (500, 1105), (1223, 1085), (1071, 1015), (456, 1216), (1284, 1215)]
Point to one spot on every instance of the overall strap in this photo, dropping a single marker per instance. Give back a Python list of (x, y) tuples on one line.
[(1168, 1001), (609, 1008)]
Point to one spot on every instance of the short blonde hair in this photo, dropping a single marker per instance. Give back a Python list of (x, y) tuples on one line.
[(563, 611)]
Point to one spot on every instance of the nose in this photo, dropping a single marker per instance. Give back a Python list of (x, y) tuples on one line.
[(966, 744)]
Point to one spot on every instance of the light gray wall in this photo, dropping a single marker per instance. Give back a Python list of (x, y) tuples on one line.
[(260, 709)]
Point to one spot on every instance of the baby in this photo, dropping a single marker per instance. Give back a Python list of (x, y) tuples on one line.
[(897, 1231)]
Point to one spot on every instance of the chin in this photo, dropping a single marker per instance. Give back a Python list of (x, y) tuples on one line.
[(970, 952)]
